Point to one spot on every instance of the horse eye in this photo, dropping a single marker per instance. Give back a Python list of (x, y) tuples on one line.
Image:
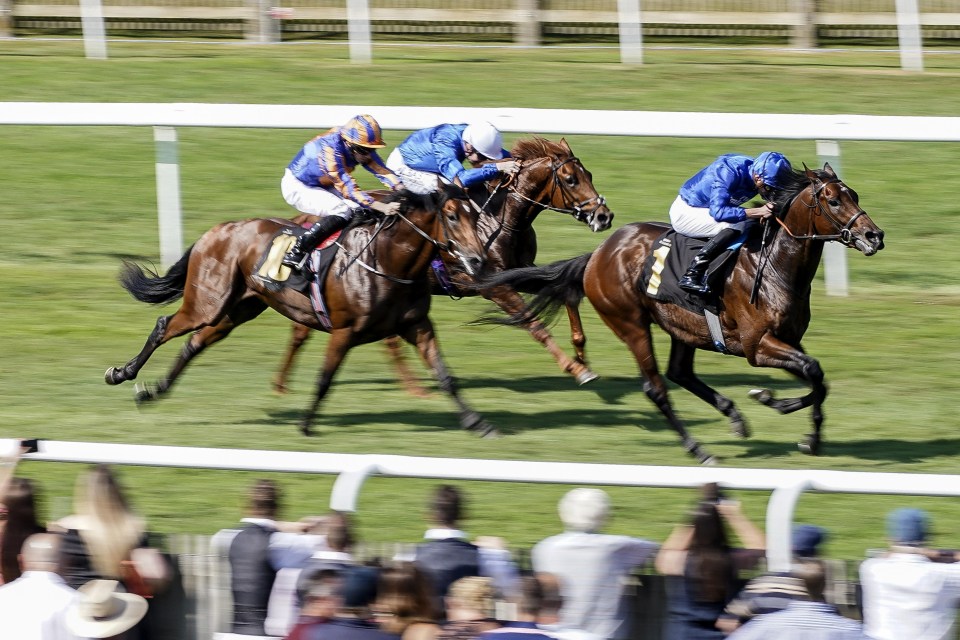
[(833, 202)]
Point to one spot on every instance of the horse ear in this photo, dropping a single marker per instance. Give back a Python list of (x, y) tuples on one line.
[(810, 174), (566, 147), (829, 169)]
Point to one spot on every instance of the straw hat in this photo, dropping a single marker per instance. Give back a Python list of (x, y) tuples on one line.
[(101, 611)]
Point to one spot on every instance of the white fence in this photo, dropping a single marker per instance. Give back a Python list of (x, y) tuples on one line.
[(352, 470), (827, 130)]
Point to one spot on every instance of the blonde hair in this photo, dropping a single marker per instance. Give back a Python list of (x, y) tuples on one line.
[(109, 529), (474, 593)]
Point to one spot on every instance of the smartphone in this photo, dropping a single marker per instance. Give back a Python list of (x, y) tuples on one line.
[(31, 446)]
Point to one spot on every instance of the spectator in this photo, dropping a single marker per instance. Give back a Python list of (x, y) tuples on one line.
[(590, 565), (257, 552), (447, 555), (470, 609), (701, 567), (102, 610), (20, 522), (405, 603), (102, 534), (33, 607), (773, 591), (437, 153), (529, 606), (551, 603), (353, 619), (321, 600), (332, 552), (802, 618), (905, 593)]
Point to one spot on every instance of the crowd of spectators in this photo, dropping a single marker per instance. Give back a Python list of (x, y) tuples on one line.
[(95, 574)]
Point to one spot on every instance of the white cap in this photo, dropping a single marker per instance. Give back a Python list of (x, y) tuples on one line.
[(485, 138)]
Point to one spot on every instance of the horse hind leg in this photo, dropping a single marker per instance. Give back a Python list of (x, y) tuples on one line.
[(422, 336), (638, 340), (681, 371), (577, 337), (166, 328)]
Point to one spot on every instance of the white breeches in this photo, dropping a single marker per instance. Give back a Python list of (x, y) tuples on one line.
[(422, 182), (697, 222), (315, 200)]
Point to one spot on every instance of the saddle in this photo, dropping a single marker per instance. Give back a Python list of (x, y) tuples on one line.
[(669, 258)]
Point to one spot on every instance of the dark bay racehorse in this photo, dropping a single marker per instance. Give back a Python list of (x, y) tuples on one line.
[(551, 177), (814, 208), (376, 287)]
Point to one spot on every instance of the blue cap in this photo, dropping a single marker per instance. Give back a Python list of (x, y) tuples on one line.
[(908, 526), (806, 539), (770, 165)]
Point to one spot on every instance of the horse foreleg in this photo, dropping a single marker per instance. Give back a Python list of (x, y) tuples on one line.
[(638, 340), (244, 311), (577, 337), (422, 336), (512, 303), (773, 352), (337, 347), (299, 335), (680, 371), (407, 379)]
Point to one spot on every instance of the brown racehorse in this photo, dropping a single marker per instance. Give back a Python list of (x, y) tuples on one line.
[(551, 177), (814, 208), (376, 287)]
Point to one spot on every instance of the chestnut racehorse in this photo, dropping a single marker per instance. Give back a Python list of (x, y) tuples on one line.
[(813, 208), (220, 289), (552, 178)]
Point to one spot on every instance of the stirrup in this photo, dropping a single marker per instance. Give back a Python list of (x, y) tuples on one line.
[(687, 283), (294, 262)]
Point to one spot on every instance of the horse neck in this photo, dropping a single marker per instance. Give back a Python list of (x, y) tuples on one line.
[(795, 260), (405, 252), (518, 211)]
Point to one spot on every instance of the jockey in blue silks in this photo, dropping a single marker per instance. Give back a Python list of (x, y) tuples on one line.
[(439, 152), (708, 206)]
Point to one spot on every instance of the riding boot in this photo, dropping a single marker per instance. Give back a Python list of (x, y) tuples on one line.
[(695, 279), (308, 241)]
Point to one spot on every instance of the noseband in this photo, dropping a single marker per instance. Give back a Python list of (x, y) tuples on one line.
[(844, 235), (570, 206)]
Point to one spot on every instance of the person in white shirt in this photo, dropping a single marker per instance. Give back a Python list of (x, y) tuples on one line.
[(590, 565), (34, 606), (905, 593)]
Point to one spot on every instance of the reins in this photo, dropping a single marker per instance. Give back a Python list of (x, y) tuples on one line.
[(578, 210)]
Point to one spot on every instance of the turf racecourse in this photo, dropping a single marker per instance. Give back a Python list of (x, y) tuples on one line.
[(76, 200)]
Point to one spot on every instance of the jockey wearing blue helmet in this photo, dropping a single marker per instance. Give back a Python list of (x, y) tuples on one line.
[(708, 205)]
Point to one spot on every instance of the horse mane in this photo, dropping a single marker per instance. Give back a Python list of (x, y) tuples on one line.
[(793, 183), (534, 147)]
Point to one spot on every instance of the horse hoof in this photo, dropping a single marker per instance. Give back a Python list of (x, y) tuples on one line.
[(586, 376), (489, 432), (809, 446), (306, 430), (739, 429), (280, 389), (142, 394), (763, 396), (710, 461), (110, 376)]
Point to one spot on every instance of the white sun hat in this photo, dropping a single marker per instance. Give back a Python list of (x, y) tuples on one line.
[(101, 611)]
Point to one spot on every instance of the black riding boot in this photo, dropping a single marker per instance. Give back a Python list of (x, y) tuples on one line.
[(695, 279), (309, 240)]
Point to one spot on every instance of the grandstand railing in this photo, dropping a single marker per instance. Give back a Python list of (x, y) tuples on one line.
[(826, 130), (352, 471)]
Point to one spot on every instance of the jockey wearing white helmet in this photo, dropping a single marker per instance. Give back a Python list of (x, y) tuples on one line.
[(708, 205), (439, 152)]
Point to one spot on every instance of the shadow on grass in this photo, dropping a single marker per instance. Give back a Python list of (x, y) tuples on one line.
[(881, 450)]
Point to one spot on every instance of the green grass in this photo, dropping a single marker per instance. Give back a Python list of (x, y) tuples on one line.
[(78, 199)]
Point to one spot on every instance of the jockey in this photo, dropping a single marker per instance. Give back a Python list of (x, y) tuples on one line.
[(439, 152), (318, 181), (708, 206)]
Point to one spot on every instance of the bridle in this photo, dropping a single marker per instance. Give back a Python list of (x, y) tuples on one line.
[(387, 222), (844, 236), (570, 206)]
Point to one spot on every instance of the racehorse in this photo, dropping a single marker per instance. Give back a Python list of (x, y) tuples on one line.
[(778, 264), (376, 287), (550, 177)]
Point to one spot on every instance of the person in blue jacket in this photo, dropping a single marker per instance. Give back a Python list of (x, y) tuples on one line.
[(708, 206), (440, 151)]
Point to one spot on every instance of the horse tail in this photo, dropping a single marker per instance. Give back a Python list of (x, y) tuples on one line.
[(149, 286), (555, 285)]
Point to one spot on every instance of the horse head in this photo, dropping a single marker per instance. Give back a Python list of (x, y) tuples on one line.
[(553, 178), (448, 219), (832, 211)]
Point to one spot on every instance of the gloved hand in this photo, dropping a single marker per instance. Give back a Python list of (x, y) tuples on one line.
[(508, 167), (387, 209)]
